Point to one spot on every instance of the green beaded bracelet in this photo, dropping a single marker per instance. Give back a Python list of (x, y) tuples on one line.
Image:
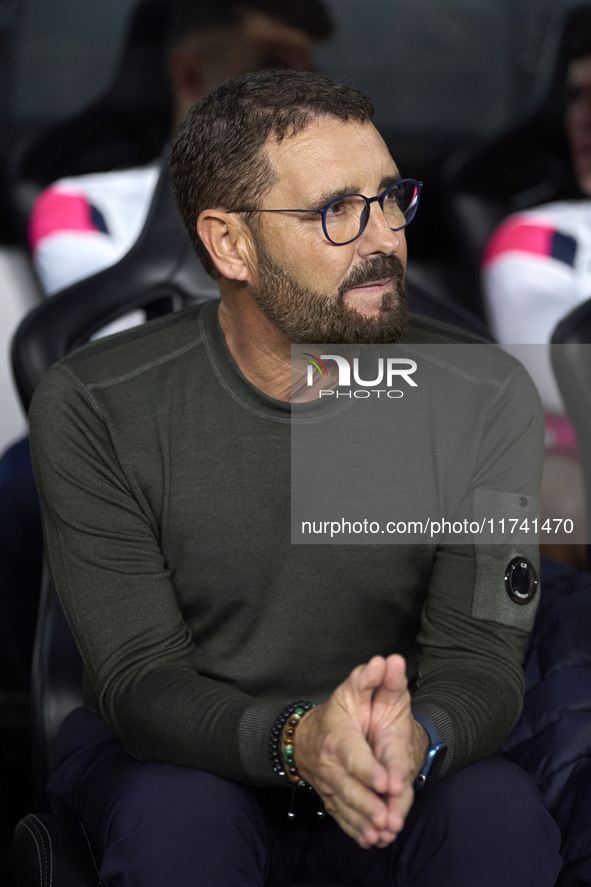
[(288, 743)]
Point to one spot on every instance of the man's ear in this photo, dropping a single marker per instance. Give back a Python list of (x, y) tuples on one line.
[(229, 243)]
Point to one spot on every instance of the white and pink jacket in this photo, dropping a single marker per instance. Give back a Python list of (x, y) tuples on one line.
[(83, 224), (535, 270)]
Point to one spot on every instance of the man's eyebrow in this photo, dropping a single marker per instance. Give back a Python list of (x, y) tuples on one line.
[(389, 180), (327, 196)]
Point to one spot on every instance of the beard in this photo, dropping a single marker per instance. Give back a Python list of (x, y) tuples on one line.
[(308, 317)]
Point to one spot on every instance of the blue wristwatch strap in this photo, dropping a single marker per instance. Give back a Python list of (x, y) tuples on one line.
[(429, 727), (434, 755)]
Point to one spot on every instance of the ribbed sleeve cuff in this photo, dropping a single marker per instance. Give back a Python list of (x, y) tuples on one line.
[(258, 719), (254, 730), (443, 724)]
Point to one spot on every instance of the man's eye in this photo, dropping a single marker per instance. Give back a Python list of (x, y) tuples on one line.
[(337, 208)]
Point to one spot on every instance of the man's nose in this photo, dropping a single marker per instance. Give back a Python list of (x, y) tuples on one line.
[(378, 237)]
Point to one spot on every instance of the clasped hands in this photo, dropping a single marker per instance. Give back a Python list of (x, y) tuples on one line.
[(362, 751)]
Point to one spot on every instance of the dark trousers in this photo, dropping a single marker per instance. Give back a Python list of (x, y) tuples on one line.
[(154, 824)]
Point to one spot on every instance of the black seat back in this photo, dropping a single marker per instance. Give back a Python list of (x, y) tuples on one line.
[(161, 273), (57, 684), (425, 300)]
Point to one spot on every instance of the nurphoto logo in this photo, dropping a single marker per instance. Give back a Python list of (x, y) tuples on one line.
[(387, 371)]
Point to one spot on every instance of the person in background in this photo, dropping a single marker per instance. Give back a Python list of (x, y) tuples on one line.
[(81, 225), (535, 270)]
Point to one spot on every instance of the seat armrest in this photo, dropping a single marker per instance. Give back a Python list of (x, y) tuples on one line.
[(51, 850)]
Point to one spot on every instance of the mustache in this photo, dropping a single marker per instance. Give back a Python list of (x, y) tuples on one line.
[(376, 269)]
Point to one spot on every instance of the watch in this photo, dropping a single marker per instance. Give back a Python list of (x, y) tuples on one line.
[(434, 756)]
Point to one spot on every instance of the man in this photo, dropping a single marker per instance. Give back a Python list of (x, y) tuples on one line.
[(163, 463), (81, 225)]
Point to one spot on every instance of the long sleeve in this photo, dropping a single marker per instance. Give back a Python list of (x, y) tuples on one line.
[(118, 593)]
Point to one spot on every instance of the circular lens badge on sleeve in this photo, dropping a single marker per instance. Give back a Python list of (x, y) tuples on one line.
[(521, 580)]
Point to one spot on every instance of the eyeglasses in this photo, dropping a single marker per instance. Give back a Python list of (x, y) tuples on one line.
[(345, 218)]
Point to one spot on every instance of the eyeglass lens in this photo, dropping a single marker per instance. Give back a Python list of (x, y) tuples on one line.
[(346, 217)]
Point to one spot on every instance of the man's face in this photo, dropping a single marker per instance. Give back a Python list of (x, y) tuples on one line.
[(578, 120), (312, 290)]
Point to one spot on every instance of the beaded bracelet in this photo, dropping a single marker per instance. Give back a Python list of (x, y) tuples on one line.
[(281, 759), (288, 743)]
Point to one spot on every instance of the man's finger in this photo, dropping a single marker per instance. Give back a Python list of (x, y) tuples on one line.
[(366, 830), (359, 687), (338, 787), (398, 808), (394, 755), (392, 695), (365, 815), (359, 761)]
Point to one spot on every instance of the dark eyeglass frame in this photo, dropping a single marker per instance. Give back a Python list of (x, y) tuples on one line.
[(364, 215)]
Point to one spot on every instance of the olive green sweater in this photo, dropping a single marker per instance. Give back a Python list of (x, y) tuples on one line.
[(164, 479)]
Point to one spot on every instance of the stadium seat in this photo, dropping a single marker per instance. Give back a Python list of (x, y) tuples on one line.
[(160, 273), (426, 300)]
